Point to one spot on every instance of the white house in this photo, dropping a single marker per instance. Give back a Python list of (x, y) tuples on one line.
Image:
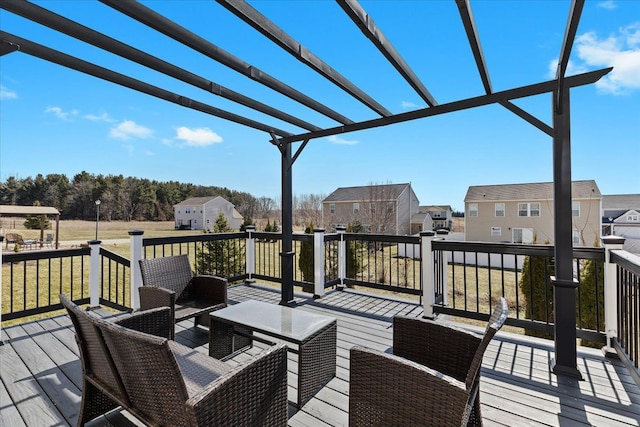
[(621, 217), (200, 213)]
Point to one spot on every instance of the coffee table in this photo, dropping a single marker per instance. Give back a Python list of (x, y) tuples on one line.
[(232, 328)]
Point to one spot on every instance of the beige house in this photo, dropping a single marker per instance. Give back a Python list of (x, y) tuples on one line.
[(380, 209), (200, 213), (523, 213)]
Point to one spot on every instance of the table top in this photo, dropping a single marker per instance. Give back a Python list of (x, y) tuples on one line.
[(278, 320)]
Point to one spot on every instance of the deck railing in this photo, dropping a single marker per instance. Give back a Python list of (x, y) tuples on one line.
[(455, 278)]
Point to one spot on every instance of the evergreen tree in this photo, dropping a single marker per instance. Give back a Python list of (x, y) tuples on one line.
[(592, 314), (224, 258), (305, 260), (537, 291), (353, 264), (246, 221)]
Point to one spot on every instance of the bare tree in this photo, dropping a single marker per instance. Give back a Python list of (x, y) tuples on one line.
[(378, 209)]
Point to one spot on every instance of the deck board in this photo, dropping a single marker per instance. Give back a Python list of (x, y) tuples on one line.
[(41, 373)]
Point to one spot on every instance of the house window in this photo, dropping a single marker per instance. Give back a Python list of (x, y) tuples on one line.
[(373, 208), (496, 231), (528, 209), (633, 218), (473, 209), (499, 209), (575, 237), (575, 208), (534, 209), (390, 206), (356, 207), (332, 207)]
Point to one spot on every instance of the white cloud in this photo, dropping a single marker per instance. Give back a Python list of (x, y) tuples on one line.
[(620, 51), (198, 137), (336, 140), (608, 4), (6, 93), (104, 117), (60, 113), (410, 105), (129, 129)]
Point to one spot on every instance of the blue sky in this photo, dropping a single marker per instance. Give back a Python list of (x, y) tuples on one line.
[(57, 120)]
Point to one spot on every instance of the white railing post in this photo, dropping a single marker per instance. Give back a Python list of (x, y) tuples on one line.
[(610, 243), (428, 285), (250, 253), (318, 262), (444, 276), (1, 240), (342, 255), (94, 274), (136, 275)]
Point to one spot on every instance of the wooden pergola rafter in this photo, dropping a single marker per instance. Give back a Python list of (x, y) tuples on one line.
[(559, 130)]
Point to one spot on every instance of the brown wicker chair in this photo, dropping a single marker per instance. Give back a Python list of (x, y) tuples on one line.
[(431, 379), (102, 388), (172, 385), (169, 282)]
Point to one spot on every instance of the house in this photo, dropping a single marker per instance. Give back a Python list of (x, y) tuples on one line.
[(523, 213), (380, 209), (200, 213), (440, 215), (621, 217), (421, 221)]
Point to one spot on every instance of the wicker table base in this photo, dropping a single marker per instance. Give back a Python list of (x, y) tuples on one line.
[(232, 329)]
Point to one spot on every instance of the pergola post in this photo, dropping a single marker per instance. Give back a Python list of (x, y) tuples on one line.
[(287, 253), (564, 284)]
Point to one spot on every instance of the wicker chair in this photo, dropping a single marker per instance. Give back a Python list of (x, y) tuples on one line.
[(169, 282), (102, 388), (432, 377), (173, 385)]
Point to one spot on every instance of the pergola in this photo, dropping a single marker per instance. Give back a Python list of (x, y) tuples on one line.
[(563, 282), (41, 211)]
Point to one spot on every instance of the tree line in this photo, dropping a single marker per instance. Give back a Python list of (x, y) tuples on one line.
[(122, 198)]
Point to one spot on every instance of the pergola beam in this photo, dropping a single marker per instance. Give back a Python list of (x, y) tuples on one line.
[(71, 28), (6, 48), (360, 17), (262, 24), (474, 42), (169, 28), (465, 104), (77, 64)]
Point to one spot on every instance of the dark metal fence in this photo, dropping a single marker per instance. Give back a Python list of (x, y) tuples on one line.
[(628, 292), (115, 282), (34, 280), (391, 263), (480, 273)]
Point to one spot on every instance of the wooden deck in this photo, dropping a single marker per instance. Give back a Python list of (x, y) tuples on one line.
[(41, 373)]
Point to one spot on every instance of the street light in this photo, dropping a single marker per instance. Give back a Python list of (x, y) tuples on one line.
[(97, 216)]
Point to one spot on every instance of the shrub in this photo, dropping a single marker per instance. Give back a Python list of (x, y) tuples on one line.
[(305, 260)]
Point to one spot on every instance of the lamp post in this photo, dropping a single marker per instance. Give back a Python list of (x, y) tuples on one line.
[(97, 216), (610, 226)]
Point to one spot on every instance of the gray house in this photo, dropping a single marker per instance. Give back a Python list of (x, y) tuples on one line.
[(200, 213), (621, 217), (380, 209)]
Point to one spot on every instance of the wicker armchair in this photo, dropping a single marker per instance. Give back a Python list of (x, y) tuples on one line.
[(432, 377), (170, 384), (102, 388), (169, 282)]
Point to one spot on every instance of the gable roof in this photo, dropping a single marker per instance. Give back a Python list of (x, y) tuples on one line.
[(587, 189), (366, 193), (430, 208), (198, 201), (622, 202), (28, 210)]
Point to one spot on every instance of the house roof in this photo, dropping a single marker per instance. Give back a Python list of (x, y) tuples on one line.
[(418, 218), (28, 210), (198, 201), (621, 202), (367, 192), (587, 189), (430, 208)]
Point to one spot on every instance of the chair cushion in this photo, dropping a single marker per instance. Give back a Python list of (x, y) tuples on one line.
[(197, 368)]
